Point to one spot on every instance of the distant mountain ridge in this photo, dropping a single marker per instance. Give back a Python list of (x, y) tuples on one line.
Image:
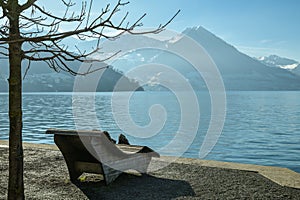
[(238, 70), (280, 62), (64, 82)]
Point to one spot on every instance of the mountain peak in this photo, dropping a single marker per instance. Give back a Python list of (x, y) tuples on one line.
[(197, 28), (207, 39), (277, 61), (280, 62)]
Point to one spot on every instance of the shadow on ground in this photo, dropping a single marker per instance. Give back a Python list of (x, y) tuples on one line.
[(129, 186)]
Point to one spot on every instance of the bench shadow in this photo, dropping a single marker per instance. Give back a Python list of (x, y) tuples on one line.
[(129, 186)]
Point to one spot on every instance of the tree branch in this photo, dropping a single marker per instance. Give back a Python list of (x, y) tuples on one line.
[(45, 40), (27, 5), (65, 19)]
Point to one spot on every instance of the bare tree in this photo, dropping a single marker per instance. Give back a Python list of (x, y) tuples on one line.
[(32, 25)]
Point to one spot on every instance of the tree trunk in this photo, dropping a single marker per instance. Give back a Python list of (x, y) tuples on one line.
[(15, 184)]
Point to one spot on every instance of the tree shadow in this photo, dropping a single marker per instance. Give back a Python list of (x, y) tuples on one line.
[(129, 186)]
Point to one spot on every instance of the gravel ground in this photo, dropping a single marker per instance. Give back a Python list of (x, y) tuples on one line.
[(46, 177)]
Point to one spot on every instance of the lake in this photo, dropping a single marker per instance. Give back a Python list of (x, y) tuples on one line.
[(260, 127)]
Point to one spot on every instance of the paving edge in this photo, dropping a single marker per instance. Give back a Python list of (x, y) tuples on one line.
[(281, 176)]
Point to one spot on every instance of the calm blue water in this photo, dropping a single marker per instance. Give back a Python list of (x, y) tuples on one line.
[(260, 128)]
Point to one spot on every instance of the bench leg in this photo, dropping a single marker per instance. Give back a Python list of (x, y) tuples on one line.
[(74, 174), (69, 156), (110, 174)]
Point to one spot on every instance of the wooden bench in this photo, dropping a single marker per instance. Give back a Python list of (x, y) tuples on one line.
[(93, 152)]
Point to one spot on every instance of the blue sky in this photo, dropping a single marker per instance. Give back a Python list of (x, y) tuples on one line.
[(255, 27)]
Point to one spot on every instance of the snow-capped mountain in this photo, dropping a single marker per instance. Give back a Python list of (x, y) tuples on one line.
[(238, 70), (280, 62)]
